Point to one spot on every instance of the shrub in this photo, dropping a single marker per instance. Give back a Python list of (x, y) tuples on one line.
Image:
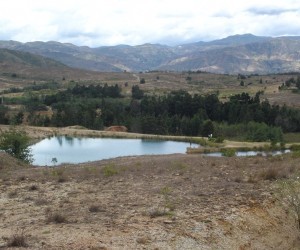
[(33, 188), (56, 218), (158, 212), (228, 152), (94, 209), (17, 240), (16, 143), (270, 174)]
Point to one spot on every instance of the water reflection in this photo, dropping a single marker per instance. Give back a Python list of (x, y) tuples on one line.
[(252, 153), (76, 150)]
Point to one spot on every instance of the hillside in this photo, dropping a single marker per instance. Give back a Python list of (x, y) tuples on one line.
[(272, 56), (235, 54), (18, 68), (13, 57), (148, 202), (18, 64)]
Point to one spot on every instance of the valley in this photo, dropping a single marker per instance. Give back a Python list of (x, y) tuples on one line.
[(175, 201)]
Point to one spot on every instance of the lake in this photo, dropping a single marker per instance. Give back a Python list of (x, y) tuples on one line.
[(64, 149)]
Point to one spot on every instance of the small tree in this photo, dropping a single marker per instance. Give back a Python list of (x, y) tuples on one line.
[(137, 93), (142, 81), (16, 143)]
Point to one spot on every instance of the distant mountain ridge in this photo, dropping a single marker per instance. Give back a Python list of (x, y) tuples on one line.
[(235, 54)]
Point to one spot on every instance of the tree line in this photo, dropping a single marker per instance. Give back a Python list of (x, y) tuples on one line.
[(176, 113)]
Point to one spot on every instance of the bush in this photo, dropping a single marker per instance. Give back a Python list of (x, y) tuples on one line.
[(94, 209), (17, 240), (228, 152), (56, 218), (16, 143), (270, 174)]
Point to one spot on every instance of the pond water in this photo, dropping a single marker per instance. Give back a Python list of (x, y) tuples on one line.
[(63, 149), (252, 153)]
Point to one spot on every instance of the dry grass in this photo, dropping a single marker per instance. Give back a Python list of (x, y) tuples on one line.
[(17, 240), (147, 190), (56, 217)]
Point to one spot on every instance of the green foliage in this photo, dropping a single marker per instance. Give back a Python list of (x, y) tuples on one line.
[(137, 93), (16, 143), (110, 170), (252, 131), (175, 113), (298, 82), (262, 132), (142, 81), (208, 128), (228, 152)]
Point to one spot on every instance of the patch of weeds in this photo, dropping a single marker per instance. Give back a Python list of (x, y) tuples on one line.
[(56, 172), (41, 202), (292, 169), (228, 152), (166, 191), (90, 170), (62, 179), (252, 179), (56, 218), (158, 212), (296, 154), (270, 174), (33, 187), (295, 147), (237, 179), (168, 202), (94, 209), (17, 240), (22, 178), (110, 170), (45, 172), (179, 166), (170, 205), (143, 240), (59, 174), (276, 158), (138, 164), (13, 194)]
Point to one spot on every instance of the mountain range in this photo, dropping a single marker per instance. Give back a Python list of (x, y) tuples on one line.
[(232, 55)]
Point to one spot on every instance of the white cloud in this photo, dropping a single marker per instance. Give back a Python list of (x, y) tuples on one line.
[(102, 22)]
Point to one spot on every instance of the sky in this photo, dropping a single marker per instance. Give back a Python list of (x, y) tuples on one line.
[(97, 23)]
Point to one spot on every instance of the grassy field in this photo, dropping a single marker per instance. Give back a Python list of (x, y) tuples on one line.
[(163, 82)]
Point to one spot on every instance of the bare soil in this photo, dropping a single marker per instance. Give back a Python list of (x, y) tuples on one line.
[(148, 202)]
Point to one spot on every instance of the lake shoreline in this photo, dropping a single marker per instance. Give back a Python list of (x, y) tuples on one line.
[(38, 133)]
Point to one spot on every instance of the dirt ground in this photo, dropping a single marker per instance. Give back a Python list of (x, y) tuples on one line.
[(148, 202)]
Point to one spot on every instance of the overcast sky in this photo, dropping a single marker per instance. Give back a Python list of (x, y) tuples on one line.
[(110, 22)]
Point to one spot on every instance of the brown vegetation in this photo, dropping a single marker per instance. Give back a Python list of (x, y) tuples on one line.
[(152, 202)]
